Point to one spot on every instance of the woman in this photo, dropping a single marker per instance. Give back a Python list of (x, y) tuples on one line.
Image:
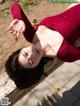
[(54, 36)]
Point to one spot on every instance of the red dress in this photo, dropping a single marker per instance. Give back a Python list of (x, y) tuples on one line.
[(66, 23)]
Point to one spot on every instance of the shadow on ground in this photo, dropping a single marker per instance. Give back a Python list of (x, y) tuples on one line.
[(70, 98)]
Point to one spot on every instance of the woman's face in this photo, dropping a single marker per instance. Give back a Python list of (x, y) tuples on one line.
[(29, 57)]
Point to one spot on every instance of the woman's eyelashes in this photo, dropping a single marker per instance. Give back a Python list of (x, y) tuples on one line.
[(25, 54)]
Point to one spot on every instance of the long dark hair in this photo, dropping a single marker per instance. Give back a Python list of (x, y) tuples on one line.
[(23, 77)]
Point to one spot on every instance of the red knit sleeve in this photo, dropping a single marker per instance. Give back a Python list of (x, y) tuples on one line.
[(18, 13)]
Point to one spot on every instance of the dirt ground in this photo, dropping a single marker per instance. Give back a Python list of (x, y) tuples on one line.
[(7, 42)]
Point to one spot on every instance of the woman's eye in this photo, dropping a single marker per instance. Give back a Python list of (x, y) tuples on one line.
[(26, 54)]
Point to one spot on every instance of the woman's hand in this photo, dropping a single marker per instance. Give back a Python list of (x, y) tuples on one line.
[(16, 28)]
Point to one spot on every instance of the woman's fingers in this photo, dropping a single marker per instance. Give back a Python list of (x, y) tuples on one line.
[(14, 33), (12, 24), (17, 36), (19, 33), (16, 28)]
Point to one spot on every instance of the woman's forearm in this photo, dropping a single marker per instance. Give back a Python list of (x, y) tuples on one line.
[(18, 13)]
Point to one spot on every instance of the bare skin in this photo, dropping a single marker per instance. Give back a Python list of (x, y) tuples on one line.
[(50, 40)]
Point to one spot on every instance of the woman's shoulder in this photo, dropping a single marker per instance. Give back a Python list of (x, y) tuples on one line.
[(47, 32), (72, 5), (41, 29)]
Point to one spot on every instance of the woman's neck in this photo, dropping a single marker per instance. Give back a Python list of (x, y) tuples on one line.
[(39, 43), (40, 47)]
